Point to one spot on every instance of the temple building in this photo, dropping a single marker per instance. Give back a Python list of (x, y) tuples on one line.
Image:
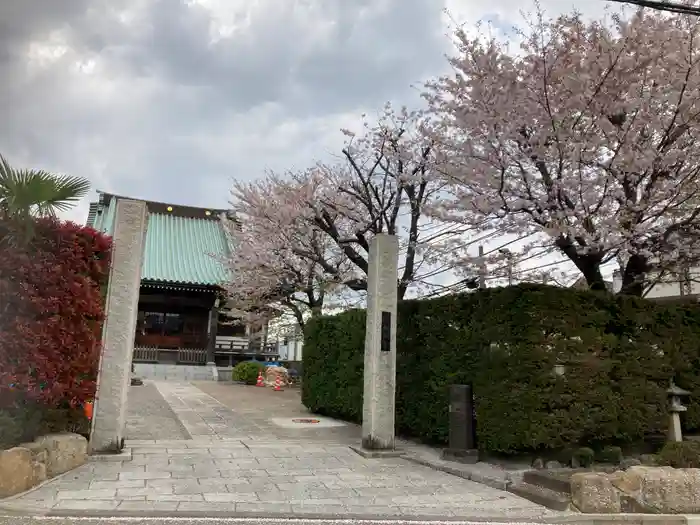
[(183, 331)]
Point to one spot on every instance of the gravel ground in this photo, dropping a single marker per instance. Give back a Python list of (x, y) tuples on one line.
[(150, 417)]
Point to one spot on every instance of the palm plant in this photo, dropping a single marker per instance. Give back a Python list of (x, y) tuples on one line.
[(26, 194)]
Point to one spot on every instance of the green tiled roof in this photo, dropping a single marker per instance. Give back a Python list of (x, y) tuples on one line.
[(179, 250), (182, 250)]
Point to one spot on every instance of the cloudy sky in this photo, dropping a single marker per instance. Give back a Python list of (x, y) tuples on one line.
[(170, 99)]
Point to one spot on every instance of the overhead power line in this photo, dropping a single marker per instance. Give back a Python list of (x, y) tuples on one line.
[(673, 7)]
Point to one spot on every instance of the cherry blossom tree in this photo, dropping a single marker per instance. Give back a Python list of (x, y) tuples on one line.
[(382, 183), (588, 134), (269, 262)]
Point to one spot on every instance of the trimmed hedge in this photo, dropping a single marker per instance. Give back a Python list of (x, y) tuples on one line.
[(619, 354)]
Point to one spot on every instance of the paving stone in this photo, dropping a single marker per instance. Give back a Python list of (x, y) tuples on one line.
[(213, 485), (374, 510), (158, 506), (190, 488), (115, 485), (136, 491), (172, 467), (145, 475), (262, 507), (237, 481), (420, 501), (309, 485), (44, 492), (194, 506), (86, 494), (174, 497), (231, 464), (439, 510), (75, 504), (253, 474), (336, 510), (230, 497)]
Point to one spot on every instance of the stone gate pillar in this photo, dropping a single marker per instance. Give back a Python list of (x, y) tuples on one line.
[(380, 349), (114, 375)]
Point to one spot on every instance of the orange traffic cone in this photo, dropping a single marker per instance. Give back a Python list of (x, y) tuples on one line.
[(261, 381), (88, 407), (278, 384)]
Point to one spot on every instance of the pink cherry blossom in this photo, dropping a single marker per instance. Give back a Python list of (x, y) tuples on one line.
[(275, 253), (588, 134), (311, 229)]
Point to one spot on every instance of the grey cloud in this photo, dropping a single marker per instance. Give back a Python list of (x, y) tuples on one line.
[(145, 122), (362, 60)]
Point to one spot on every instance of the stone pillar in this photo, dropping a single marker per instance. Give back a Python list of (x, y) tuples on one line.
[(380, 348), (114, 374)]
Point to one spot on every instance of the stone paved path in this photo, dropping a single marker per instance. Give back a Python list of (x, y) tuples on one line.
[(237, 464), (149, 416)]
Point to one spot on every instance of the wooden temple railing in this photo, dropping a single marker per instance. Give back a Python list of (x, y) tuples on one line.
[(184, 356), (243, 346), (198, 356)]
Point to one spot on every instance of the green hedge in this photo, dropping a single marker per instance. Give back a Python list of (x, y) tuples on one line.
[(619, 355)]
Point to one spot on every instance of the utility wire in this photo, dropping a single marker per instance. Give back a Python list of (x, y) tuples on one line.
[(673, 7)]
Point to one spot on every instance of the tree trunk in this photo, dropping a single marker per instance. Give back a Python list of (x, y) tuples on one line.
[(317, 310), (298, 314), (401, 290), (634, 276), (589, 264), (590, 268)]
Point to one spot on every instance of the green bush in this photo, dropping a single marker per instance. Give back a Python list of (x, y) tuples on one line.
[(618, 355), (11, 430), (26, 421), (584, 456), (247, 372), (682, 454), (610, 454)]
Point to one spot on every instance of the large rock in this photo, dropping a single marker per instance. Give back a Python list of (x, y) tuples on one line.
[(593, 492), (666, 490), (639, 489), (60, 452), (19, 471)]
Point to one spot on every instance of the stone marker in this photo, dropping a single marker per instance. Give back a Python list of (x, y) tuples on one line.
[(107, 432), (380, 349)]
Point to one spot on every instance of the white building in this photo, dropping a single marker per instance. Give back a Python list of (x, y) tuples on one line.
[(289, 343), (670, 286)]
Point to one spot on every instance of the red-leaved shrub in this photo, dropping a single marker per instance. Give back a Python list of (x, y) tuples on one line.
[(51, 313)]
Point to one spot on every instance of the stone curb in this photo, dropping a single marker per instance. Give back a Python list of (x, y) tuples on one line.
[(502, 483), (496, 482), (578, 519), (124, 455), (622, 519)]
